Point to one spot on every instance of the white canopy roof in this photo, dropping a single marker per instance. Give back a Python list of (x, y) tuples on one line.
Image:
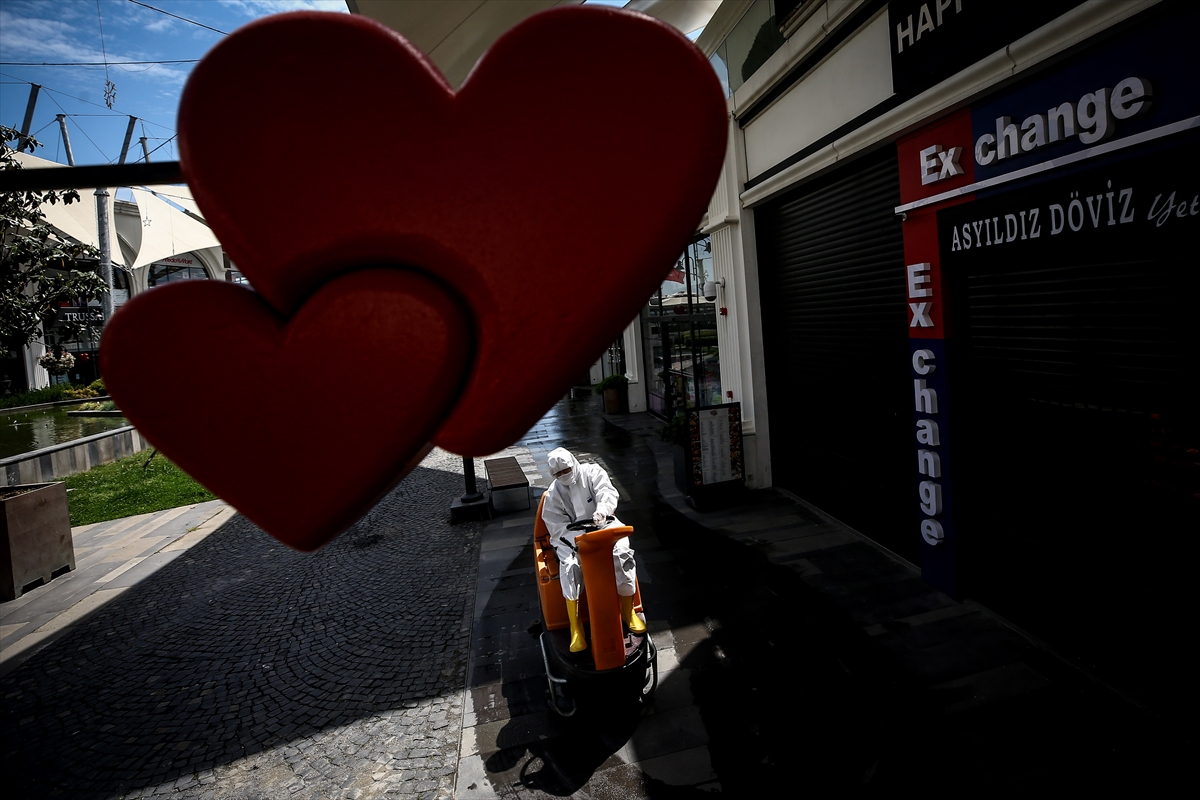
[(166, 231), (179, 195), (76, 220), (455, 35)]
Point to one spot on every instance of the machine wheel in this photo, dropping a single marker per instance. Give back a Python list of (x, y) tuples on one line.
[(651, 685)]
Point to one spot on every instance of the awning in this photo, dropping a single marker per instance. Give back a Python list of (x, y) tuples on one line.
[(76, 220), (166, 231), (455, 35), (179, 195)]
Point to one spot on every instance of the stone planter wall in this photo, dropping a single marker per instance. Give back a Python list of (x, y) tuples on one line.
[(68, 458)]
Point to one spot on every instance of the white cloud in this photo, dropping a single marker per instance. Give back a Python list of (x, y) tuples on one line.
[(52, 40), (28, 39), (254, 9), (161, 24)]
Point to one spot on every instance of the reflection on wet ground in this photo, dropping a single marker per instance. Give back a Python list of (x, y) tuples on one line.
[(741, 662), (795, 657)]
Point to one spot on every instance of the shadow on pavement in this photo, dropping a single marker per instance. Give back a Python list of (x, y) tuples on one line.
[(756, 696), (242, 644), (780, 686)]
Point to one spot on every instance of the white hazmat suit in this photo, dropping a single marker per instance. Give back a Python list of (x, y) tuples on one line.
[(581, 496)]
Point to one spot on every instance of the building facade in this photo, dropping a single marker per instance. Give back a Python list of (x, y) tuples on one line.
[(961, 310)]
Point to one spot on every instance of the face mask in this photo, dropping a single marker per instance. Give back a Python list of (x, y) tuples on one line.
[(567, 479)]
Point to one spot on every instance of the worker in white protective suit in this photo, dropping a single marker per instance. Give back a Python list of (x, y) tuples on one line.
[(583, 492)]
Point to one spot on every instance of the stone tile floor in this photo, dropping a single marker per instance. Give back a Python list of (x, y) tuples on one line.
[(794, 656), (110, 557), (242, 668)]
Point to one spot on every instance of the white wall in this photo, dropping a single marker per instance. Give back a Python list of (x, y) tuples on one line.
[(634, 366), (854, 79), (739, 330)]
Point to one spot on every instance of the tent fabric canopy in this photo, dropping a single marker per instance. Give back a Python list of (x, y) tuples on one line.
[(167, 231), (455, 35), (75, 220), (179, 195), (164, 231)]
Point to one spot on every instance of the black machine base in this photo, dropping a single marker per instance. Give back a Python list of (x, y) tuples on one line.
[(574, 680)]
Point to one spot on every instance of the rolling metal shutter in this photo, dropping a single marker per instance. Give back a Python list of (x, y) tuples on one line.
[(831, 272), (1079, 427)]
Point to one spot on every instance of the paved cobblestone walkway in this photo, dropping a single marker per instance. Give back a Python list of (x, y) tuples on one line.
[(243, 669)]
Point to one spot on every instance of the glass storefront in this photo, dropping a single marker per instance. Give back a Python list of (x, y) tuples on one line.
[(679, 334), (175, 269)]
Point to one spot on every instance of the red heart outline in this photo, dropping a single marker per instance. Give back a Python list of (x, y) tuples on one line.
[(552, 192), (224, 387)]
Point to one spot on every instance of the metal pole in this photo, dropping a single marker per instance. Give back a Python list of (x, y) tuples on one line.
[(33, 96), (62, 123), (472, 494), (128, 137), (106, 301), (145, 149)]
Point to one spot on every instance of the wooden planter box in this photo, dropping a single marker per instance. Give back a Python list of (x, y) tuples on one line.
[(35, 536), (616, 400)]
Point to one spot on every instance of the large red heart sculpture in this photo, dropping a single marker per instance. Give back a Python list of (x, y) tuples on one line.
[(553, 192), (301, 425), (544, 203)]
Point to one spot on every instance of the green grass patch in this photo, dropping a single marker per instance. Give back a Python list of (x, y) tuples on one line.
[(123, 488)]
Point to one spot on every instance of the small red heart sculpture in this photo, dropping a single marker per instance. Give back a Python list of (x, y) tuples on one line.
[(553, 191), (301, 425)]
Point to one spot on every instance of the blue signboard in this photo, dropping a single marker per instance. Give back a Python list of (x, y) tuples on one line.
[(1141, 84)]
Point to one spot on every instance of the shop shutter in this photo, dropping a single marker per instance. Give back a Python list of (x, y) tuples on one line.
[(831, 271), (1076, 382)]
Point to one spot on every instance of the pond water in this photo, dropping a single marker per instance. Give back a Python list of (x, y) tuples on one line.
[(24, 431)]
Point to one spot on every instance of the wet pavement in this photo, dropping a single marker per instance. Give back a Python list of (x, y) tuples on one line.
[(796, 656), (401, 660)]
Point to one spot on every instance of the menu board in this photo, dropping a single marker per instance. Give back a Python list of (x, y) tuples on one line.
[(716, 444)]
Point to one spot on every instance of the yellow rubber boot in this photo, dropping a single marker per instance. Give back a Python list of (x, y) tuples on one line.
[(578, 641), (631, 620)]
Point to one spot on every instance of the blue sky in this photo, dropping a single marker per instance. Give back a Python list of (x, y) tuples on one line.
[(69, 31)]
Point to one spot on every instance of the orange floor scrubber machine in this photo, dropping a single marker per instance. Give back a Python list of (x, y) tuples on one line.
[(617, 665)]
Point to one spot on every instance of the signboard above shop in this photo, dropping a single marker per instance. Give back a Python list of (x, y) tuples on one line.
[(1135, 91), (77, 315), (933, 39)]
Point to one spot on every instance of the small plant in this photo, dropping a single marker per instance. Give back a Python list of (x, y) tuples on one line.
[(46, 395), (612, 382), (103, 405), (79, 392), (59, 391), (675, 431)]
